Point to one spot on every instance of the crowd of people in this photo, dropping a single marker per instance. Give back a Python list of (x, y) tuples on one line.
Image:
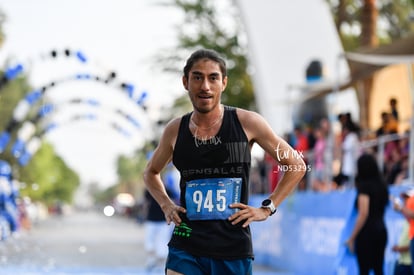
[(331, 155), (369, 161)]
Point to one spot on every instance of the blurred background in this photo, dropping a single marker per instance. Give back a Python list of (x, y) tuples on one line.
[(86, 88)]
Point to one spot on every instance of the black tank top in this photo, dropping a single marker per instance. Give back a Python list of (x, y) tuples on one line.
[(222, 160)]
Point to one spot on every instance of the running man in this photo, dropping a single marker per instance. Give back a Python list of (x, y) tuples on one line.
[(210, 146)]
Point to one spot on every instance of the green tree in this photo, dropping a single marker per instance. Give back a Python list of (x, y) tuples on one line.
[(129, 171), (367, 24), (399, 18), (47, 178), (10, 95), (354, 18)]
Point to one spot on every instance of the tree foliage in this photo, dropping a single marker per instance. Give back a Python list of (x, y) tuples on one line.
[(47, 178), (10, 94), (129, 171), (395, 20)]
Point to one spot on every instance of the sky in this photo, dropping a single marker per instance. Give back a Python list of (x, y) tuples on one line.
[(122, 36)]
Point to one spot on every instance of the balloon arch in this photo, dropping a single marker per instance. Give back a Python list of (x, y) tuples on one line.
[(28, 141), (26, 104)]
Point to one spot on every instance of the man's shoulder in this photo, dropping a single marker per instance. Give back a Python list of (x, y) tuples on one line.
[(173, 123), (238, 110), (170, 132), (246, 115)]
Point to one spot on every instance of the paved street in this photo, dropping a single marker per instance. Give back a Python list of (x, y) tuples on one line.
[(80, 243)]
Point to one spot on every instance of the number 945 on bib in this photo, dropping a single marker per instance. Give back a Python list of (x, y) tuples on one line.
[(209, 199)]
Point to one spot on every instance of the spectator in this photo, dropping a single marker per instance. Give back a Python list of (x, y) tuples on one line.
[(325, 126), (310, 133), (319, 182), (369, 235), (403, 173), (256, 185), (381, 130), (349, 155), (263, 168), (345, 119), (404, 143), (389, 125), (156, 234), (301, 145), (404, 261), (273, 173), (407, 210), (394, 110), (393, 165)]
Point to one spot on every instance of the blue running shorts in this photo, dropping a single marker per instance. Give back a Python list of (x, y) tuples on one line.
[(187, 264)]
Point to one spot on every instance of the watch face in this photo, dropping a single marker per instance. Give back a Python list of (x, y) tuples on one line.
[(266, 202)]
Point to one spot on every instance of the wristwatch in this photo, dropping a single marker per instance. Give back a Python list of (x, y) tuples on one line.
[(268, 203)]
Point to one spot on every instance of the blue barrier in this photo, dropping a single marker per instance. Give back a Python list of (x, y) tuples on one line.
[(307, 234)]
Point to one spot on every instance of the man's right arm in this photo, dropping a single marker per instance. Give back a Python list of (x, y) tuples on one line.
[(152, 174)]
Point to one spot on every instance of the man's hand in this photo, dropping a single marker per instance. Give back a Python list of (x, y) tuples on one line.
[(248, 214), (172, 213)]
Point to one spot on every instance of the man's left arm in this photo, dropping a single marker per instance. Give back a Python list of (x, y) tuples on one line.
[(259, 131)]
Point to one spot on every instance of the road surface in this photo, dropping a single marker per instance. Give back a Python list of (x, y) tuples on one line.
[(83, 243)]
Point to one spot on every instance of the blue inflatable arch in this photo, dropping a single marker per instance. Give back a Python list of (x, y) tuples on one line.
[(28, 128), (32, 98), (25, 152)]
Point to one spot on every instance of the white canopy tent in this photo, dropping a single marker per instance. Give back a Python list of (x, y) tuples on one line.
[(284, 37)]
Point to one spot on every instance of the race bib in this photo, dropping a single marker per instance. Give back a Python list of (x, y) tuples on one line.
[(209, 199)]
